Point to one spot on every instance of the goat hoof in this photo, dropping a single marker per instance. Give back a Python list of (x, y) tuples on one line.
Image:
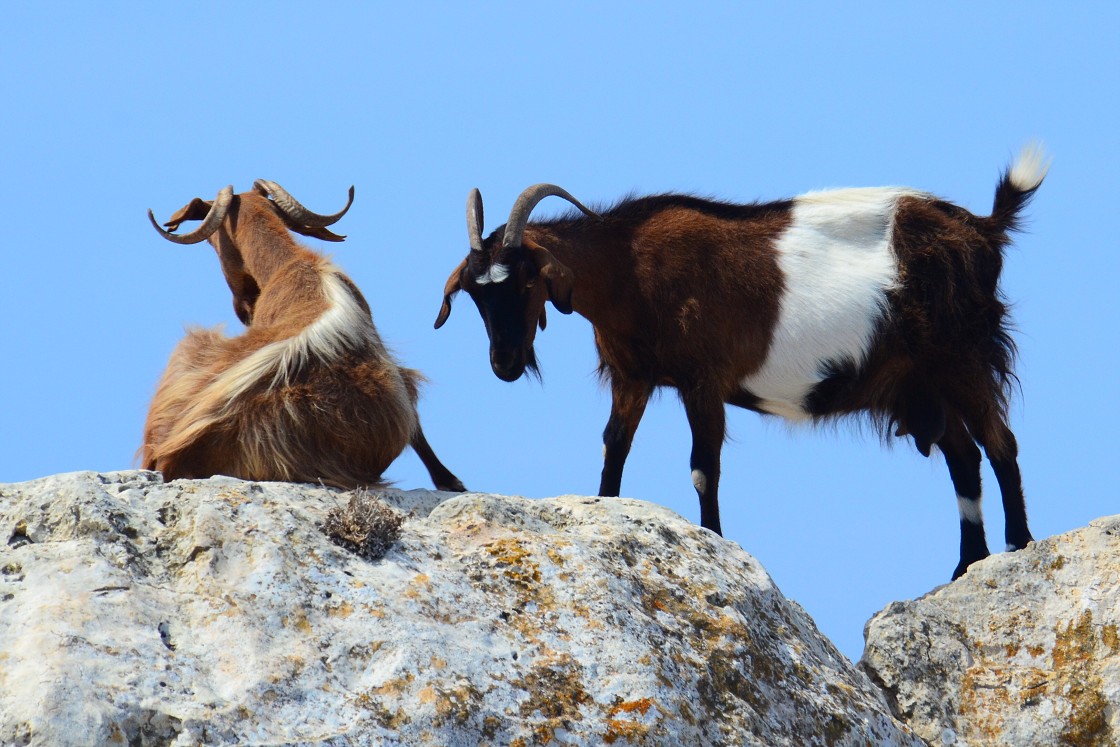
[(962, 567)]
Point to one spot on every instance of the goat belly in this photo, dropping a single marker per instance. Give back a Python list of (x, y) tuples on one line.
[(837, 268)]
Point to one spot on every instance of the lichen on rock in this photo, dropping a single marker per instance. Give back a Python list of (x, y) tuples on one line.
[(217, 612), (1023, 649)]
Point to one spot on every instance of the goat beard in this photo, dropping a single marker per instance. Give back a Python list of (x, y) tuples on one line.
[(532, 366)]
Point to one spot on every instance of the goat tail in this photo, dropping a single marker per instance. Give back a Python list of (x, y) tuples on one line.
[(1017, 185)]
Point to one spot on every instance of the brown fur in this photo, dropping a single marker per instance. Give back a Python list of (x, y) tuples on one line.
[(337, 412), (685, 293)]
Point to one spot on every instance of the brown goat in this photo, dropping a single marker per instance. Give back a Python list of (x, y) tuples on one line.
[(309, 393), (880, 301)]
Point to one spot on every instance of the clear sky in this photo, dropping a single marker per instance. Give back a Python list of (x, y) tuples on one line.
[(112, 108)]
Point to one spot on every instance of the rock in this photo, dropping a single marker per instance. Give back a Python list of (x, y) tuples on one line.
[(1024, 649), (216, 612)]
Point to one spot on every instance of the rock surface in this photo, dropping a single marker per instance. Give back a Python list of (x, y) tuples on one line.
[(216, 612), (1022, 650)]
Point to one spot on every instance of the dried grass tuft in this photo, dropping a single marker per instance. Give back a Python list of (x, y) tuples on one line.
[(365, 526)]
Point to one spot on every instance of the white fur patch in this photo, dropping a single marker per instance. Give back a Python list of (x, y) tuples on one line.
[(838, 265), (496, 274), (1030, 167), (969, 509), (700, 481), (344, 324)]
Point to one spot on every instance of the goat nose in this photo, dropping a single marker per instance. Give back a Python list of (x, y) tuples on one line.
[(508, 366)]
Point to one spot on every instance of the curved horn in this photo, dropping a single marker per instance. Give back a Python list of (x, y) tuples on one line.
[(209, 225), (526, 201), (296, 212), (474, 219)]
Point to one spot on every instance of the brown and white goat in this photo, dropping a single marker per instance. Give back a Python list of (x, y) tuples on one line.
[(882, 301), (309, 392)]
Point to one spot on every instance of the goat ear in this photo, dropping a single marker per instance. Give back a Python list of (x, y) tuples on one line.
[(317, 232), (196, 209), (454, 285), (560, 281), (244, 311), (556, 275)]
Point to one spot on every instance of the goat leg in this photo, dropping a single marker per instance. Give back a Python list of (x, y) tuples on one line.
[(707, 419), (628, 404), (441, 476)]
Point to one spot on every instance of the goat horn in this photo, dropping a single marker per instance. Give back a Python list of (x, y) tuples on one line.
[(474, 219), (209, 225), (296, 212), (526, 201)]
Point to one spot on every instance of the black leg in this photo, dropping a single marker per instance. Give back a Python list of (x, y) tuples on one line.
[(628, 404), (963, 459), (442, 477), (706, 418), (1005, 463)]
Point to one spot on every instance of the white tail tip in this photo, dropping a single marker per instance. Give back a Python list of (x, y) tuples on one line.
[(1030, 167)]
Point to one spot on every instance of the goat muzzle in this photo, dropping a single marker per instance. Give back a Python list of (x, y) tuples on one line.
[(509, 366)]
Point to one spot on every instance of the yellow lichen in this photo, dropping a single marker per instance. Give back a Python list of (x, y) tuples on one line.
[(515, 560), (394, 686), (652, 604), (989, 689), (631, 730), (618, 728), (342, 610), (629, 706), (555, 696), (298, 620), (418, 586), (1076, 648), (1111, 638), (456, 704)]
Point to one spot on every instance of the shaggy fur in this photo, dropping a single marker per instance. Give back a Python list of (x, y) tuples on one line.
[(882, 302), (309, 393)]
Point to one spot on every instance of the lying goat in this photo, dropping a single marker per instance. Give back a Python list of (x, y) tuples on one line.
[(881, 301), (309, 392)]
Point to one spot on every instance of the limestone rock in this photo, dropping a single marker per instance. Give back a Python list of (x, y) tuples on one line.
[(1024, 649), (216, 612)]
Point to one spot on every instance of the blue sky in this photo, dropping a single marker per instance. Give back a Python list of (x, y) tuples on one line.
[(112, 108)]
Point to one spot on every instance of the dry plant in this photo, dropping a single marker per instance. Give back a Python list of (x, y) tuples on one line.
[(365, 526)]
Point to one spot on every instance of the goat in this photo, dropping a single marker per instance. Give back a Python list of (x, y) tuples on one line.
[(876, 301), (309, 392)]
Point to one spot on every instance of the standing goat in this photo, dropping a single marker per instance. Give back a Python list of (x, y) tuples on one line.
[(881, 301), (309, 392)]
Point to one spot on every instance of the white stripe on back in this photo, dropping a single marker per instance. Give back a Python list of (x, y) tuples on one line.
[(342, 325), (837, 265)]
